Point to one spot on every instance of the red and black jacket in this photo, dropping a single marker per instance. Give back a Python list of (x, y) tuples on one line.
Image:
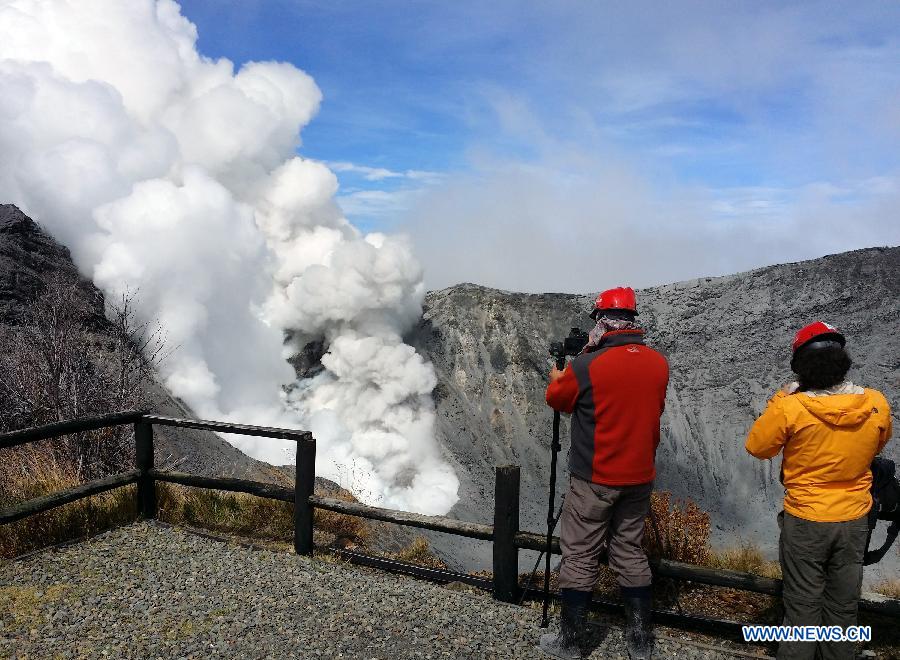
[(617, 394)]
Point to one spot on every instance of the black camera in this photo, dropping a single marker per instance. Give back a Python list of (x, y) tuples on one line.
[(571, 345)]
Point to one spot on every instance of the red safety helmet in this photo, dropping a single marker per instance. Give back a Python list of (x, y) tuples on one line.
[(622, 298), (818, 331)]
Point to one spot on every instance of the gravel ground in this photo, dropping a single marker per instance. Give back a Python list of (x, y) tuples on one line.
[(150, 591)]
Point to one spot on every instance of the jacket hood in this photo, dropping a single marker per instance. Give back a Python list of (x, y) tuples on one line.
[(839, 409)]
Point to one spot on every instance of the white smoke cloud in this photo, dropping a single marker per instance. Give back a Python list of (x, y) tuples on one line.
[(176, 176)]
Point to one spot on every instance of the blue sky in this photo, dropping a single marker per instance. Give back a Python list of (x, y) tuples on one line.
[(728, 131)]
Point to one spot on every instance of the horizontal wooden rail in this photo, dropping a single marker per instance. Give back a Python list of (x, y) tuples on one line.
[(15, 438), (532, 541), (676, 569), (305, 501), (445, 576), (258, 488), (879, 604), (434, 523), (227, 427), (717, 577), (47, 502), (415, 570)]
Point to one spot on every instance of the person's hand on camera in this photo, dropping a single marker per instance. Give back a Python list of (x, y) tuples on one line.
[(555, 374)]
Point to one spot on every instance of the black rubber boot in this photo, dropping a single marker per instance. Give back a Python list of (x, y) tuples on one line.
[(567, 644), (638, 625)]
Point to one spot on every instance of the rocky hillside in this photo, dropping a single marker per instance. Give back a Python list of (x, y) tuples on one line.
[(29, 260), (727, 339)]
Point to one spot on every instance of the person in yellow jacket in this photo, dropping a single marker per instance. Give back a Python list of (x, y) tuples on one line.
[(828, 431)]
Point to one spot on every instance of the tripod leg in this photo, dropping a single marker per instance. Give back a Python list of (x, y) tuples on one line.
[(555, 448), (551, 519)]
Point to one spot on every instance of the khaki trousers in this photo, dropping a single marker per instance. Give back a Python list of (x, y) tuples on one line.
[(822, 568), (595, 516)]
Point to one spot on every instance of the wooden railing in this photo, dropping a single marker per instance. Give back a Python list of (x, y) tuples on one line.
[(505, 535)]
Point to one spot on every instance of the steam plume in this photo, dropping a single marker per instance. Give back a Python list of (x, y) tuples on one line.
[(174, 175)]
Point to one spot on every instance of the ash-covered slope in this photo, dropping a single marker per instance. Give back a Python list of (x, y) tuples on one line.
[(727, 339)]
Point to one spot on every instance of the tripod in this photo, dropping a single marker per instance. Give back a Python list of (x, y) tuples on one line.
[(552, 519)]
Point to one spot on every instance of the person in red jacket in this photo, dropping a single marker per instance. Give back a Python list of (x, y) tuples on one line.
[(615, 390)]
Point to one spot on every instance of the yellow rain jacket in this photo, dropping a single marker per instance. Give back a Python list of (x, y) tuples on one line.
[(829, 442)]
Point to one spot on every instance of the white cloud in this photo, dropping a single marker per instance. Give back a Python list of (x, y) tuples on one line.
[(650, 143), (381, 173), (582, 223), (368, 173), (174, 175), (424, 176), (384, 205)]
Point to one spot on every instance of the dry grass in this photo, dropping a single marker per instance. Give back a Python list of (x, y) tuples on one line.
[(27, 605), (33, 471), (677, 530), (346, 530), (419, 552), (890, 588), (746, 558), (230, 513)]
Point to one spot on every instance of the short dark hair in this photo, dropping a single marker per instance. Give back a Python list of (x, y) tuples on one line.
[(821, 368)]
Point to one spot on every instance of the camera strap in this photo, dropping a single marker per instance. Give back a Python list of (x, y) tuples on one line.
[(885, 500), (875, 556)]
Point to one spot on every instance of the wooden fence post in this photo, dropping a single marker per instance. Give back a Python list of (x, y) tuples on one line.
[(143, 458), (304, 483), (506, 525)]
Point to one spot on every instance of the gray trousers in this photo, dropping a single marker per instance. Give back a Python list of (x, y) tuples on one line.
[(822, 568), (595, 516)]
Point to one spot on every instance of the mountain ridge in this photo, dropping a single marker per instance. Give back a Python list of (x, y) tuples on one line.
[(727, 339), (691, 280)]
